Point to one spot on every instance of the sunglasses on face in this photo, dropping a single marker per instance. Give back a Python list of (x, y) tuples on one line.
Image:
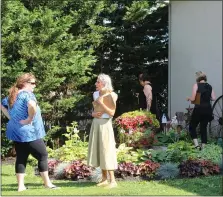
[(32, 83)]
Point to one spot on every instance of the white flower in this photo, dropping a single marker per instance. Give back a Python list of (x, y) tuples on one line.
[(122, 131), (75, 130), (130, 131)]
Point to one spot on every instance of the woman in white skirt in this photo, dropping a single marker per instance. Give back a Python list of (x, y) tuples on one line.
[(101, 148)]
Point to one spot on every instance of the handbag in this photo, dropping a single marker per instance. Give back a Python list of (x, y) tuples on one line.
[(197, 100)]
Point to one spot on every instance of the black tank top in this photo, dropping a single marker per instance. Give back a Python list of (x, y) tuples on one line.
[(205, 90)]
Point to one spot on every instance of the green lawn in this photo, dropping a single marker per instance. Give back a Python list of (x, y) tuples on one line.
[(210, 186)]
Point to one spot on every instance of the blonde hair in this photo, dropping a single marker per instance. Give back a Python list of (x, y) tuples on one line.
[(200, 76), (106, 81), (19, 84)]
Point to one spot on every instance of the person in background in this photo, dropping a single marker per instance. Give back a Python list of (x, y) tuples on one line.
[(25, 128), (101, 148), (148, 100), (144, 81), (202, 112)]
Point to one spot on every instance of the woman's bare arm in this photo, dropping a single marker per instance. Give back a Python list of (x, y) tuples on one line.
[(149, 96), (213, 97), (5, 111), (194, 92)]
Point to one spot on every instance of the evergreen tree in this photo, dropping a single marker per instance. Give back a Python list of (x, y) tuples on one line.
[(57, 45)]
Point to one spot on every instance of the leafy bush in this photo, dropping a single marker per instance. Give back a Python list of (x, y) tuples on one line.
[(193, 168), (209, 168), (221, 163), (172, 136), (52, 164), (127, 169), (32, 161), (159, 156), (148, 168), (190, 168), (211, 152), (77, 170), (74, 148), (168, 171), (124, 153), (59, 172), (136, 128), (6, 145), (180, 151)]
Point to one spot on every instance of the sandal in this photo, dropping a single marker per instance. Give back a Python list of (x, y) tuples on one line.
[(102, 183), (111, 185), (52, 187)]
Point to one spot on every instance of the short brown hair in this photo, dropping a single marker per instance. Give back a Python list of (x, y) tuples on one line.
[(200, 76)]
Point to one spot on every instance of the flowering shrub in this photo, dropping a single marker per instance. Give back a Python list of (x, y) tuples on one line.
[(136, 128)]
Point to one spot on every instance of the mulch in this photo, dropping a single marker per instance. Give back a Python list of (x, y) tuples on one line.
[(8, 160)]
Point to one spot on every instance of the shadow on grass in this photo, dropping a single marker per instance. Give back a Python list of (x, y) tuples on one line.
[(13, 187), (3, 174), (203, 186)]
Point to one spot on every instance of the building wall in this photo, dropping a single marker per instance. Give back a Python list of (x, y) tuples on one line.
[(195, 43)]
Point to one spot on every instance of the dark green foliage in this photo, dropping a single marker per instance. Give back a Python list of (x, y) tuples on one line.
[(138, 42), (159, 156), (42, 40), (180, 151), (67, 43), (211, 152), (6, 145)]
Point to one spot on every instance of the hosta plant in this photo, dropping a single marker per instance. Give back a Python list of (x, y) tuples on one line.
[(125, 153), (136, 128), (77, 170), (180, 151), (168, 171), (211, 152)]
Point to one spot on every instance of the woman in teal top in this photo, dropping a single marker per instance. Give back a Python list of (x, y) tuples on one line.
[(25, 128)]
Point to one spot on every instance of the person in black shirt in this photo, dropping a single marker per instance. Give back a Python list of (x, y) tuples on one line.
[(202, 112)]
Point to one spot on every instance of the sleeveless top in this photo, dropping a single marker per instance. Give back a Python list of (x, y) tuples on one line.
[(19, 111), (95, 97), (205, 90), (143, 103)]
